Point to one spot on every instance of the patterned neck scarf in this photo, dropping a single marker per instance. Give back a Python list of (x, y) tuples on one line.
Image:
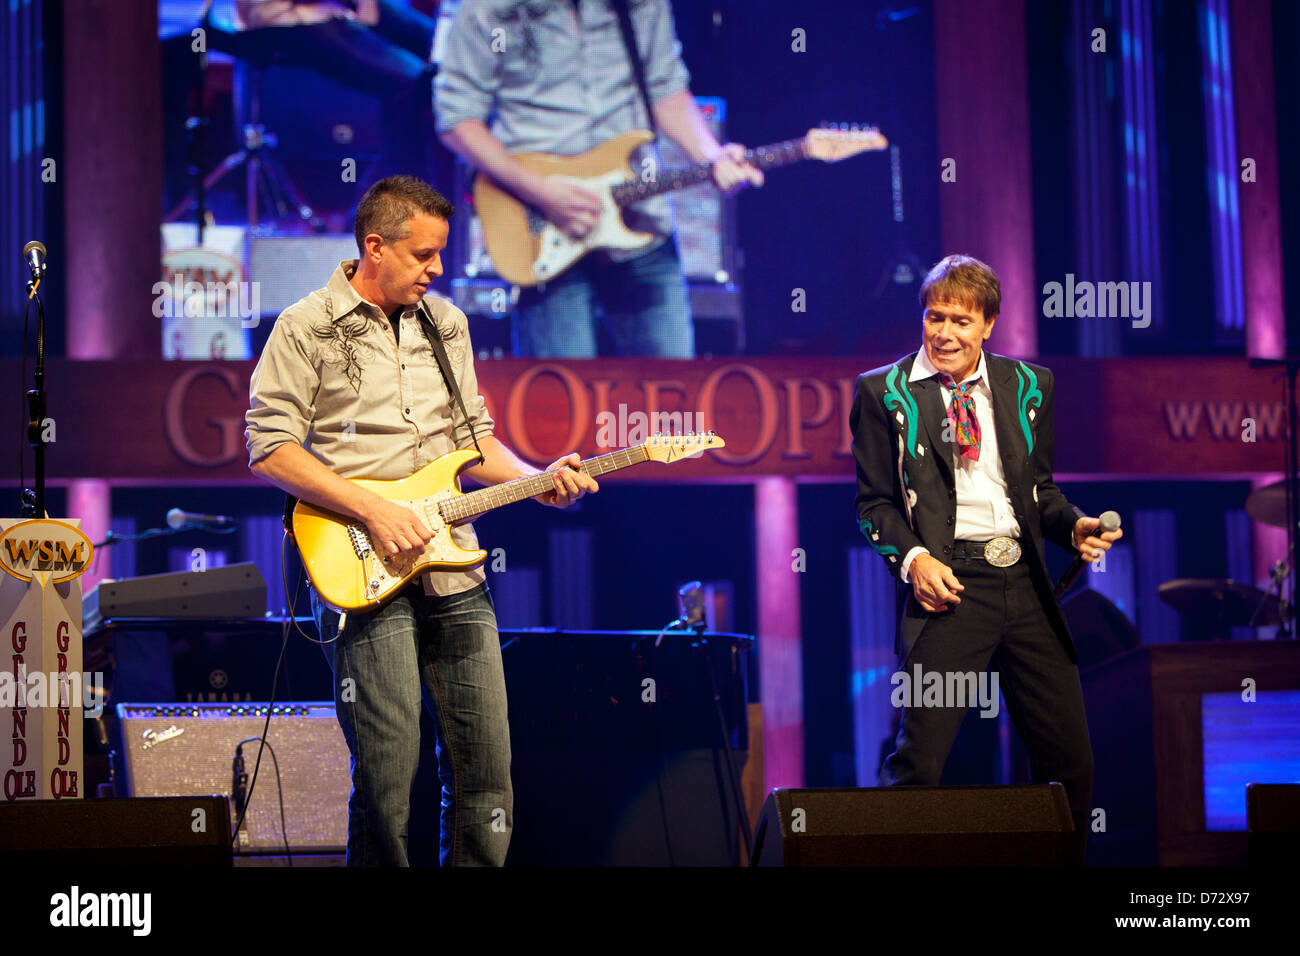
[(962, 414)]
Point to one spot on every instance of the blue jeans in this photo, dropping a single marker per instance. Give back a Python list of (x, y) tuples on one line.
[(449, 648), (644, 301)]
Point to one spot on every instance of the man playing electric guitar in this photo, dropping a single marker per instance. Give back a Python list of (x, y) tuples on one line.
[(349, 386), (558, 77)]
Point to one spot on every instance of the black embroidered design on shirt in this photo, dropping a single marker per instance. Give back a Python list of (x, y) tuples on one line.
[(343, 347)]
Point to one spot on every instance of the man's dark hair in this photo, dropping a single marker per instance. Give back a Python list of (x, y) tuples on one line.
[(965, 280), (389, 203)]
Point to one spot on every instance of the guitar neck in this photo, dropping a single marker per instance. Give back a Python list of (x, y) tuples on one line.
[(763, 157), (472, 504)]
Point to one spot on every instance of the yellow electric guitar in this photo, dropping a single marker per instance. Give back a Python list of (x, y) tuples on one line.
[(349, 575), (527, 249)]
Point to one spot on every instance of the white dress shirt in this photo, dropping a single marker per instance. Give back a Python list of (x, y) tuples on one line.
[(983, 509)]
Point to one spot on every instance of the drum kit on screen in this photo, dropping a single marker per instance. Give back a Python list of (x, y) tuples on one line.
[(1229, 603)]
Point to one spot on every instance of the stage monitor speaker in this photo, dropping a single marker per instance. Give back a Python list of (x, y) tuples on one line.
[(179, 749), (177, 831), (1273, 822), (915, 826)]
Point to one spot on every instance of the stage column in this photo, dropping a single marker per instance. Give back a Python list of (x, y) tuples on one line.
[(982, 111), (1261, 236), (91, 500), (780, 633), (112, 175)]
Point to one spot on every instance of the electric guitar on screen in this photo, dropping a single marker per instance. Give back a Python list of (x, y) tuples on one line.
[(350, 575), (527, 249)]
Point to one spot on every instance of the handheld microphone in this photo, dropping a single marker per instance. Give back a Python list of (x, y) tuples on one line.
[(177, 519), (1108, 521), (34, 256)]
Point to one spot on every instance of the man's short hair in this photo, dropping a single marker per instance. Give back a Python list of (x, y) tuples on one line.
[(389, 203), (965, 280)]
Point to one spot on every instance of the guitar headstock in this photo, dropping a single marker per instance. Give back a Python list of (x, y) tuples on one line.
[(833, 143), (670, 448)]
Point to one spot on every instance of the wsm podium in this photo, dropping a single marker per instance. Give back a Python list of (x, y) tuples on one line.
[(43, 692)]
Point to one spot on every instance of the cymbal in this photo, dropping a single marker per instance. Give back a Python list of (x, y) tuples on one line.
[(1267, 504), (1228, 602)]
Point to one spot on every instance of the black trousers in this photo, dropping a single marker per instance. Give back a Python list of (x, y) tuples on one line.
[(1000, 620)]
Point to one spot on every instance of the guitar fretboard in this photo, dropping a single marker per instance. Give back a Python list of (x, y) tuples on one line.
[(764, 157), (474, 503)]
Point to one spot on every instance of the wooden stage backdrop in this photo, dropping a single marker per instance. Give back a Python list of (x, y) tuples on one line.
[(156, 422)]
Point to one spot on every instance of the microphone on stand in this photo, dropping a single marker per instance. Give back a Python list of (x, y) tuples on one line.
[(34, 255), (690, 598), (177, 519), (1109, 521)]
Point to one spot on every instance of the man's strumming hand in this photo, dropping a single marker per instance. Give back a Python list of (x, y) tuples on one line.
[(394, 528), (571, 208)]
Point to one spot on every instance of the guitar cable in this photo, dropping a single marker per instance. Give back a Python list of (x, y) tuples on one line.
[(266, 725), (239, 748), (291, 598)]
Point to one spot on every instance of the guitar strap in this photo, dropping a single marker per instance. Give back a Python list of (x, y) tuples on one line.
[(430, 331), (638, 68), (444, 366)]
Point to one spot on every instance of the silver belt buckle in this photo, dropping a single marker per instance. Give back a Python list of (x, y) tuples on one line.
[(1002, 552)]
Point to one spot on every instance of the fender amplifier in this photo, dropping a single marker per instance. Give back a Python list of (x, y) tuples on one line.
[(185, 749)]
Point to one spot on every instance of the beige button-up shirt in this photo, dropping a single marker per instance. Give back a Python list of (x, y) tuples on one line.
[(333, 380)]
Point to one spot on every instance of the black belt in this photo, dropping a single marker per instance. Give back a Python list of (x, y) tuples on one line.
[(1000, 552)]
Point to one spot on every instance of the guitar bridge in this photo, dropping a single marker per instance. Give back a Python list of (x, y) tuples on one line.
[(360, 541)]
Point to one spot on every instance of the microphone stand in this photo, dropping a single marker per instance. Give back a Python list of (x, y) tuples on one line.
[(1277, 576), (1289, 365), (33, 500), (111, 537), (701, 645)]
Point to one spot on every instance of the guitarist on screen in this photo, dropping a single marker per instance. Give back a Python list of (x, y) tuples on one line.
[(558, 78), (350, 386)]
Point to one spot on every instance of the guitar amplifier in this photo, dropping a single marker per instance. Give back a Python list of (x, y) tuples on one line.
[(170, 749), (236, 590)]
